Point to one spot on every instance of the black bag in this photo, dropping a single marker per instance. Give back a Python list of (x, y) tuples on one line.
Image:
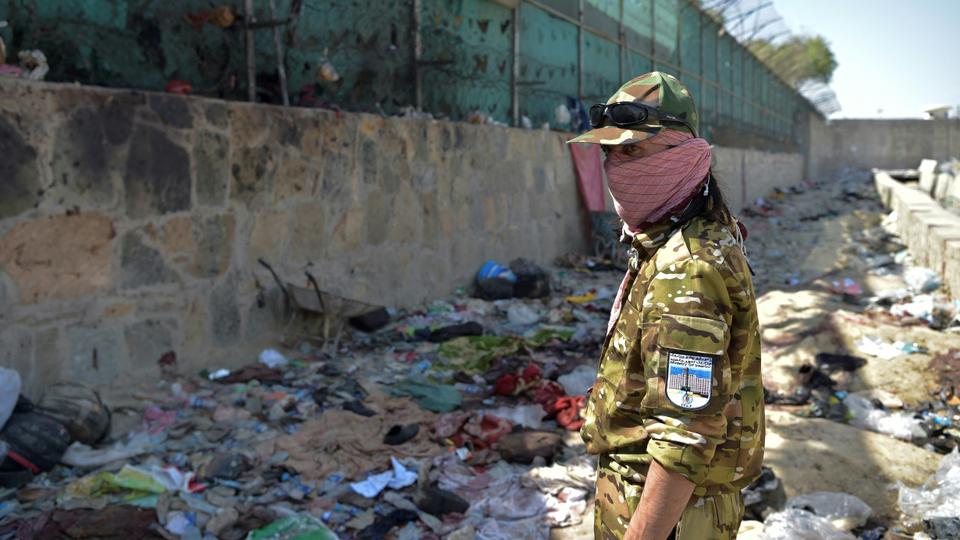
[(36, 438)]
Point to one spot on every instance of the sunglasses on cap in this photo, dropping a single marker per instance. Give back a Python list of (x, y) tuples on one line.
[(626, 114)]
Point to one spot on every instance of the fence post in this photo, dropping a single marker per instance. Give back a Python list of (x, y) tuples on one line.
[(621, 46), (580, 50), (515, 68), (417, 57)]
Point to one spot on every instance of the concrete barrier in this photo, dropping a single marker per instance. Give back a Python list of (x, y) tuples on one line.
[(931, 232)]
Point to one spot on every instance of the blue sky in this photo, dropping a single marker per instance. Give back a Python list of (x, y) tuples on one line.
[(895, 57)]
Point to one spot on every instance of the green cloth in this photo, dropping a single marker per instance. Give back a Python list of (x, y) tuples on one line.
[(474, 353), (430, 396), (299, 527)]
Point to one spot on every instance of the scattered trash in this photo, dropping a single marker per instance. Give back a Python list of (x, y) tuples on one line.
[(79, 408), (495, 281), (273, 359), (846, 512), (431, 396), (522, 315), (921, 280), (875, 346), (847, 286), (397, 478), (9, 393), (939, 496), (578, 381), (896, 424), (795, 524)]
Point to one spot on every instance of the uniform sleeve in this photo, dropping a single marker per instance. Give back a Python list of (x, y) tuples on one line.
[(687, 349)]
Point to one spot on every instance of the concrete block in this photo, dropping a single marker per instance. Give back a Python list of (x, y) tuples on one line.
[(60, 257), (943, 187), (157, 179), (928, 175)]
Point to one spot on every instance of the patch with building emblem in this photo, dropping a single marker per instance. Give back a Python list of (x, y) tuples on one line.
[(689, 379)]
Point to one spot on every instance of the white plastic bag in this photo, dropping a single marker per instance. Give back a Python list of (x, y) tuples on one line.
[(896, 424), (9, 393), (794, 524), (522, 315), (921, 280), (844, 511), (273, 359), (578, 381), (940, 494)]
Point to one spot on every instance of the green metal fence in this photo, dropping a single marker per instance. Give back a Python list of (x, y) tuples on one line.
[(504, 58), (513, 59)]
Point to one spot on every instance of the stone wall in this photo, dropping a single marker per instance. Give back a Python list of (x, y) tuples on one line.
[(885, 144), (131, 223)]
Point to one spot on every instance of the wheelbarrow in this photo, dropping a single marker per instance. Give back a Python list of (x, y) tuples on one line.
[(334, 310)]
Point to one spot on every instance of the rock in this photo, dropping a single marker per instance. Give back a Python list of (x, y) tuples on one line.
[(812, 454), (58, 258), (523, 447), (228, 466), (224, 519), (157, 178), (438, 501)]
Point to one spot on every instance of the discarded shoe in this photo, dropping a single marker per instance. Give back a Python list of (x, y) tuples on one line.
[(399, 434)]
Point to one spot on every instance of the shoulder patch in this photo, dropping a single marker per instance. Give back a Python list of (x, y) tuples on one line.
[(689, 379)]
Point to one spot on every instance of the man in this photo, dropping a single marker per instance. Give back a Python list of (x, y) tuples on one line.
[(676, 413)]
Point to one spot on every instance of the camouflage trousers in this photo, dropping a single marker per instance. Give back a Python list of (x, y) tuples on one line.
[(706, 518)]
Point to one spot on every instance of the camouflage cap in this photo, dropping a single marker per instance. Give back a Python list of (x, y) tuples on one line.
[(656, 89)]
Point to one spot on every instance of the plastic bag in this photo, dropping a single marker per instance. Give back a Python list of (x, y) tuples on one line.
[(273, 359), (844, 511), (921, 280), (522, 315), (896, 424), (578, 381), (940, 494), (794, 524), (9, 393)]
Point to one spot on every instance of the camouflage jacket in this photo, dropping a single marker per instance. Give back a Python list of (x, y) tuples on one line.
[(679, 376)]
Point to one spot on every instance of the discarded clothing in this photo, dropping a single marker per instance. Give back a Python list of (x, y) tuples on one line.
[(431, 396)]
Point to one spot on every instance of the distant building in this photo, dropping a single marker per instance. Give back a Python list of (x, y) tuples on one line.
[(938, 112), (692, 381)]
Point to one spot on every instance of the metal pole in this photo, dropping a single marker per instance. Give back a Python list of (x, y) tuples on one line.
[(580, 50), (417, 56), (653, 33), (248, 20), (621, 46), (281, 70), (515, 68)]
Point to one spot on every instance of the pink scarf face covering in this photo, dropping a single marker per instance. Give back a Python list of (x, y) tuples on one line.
[(647, 189)]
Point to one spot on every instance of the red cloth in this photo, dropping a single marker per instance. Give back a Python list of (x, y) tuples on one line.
[(588, 163), (513, 384), (647, 189), (568, 411)]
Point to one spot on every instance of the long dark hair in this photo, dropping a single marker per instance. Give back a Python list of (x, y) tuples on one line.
[(716, 205)]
